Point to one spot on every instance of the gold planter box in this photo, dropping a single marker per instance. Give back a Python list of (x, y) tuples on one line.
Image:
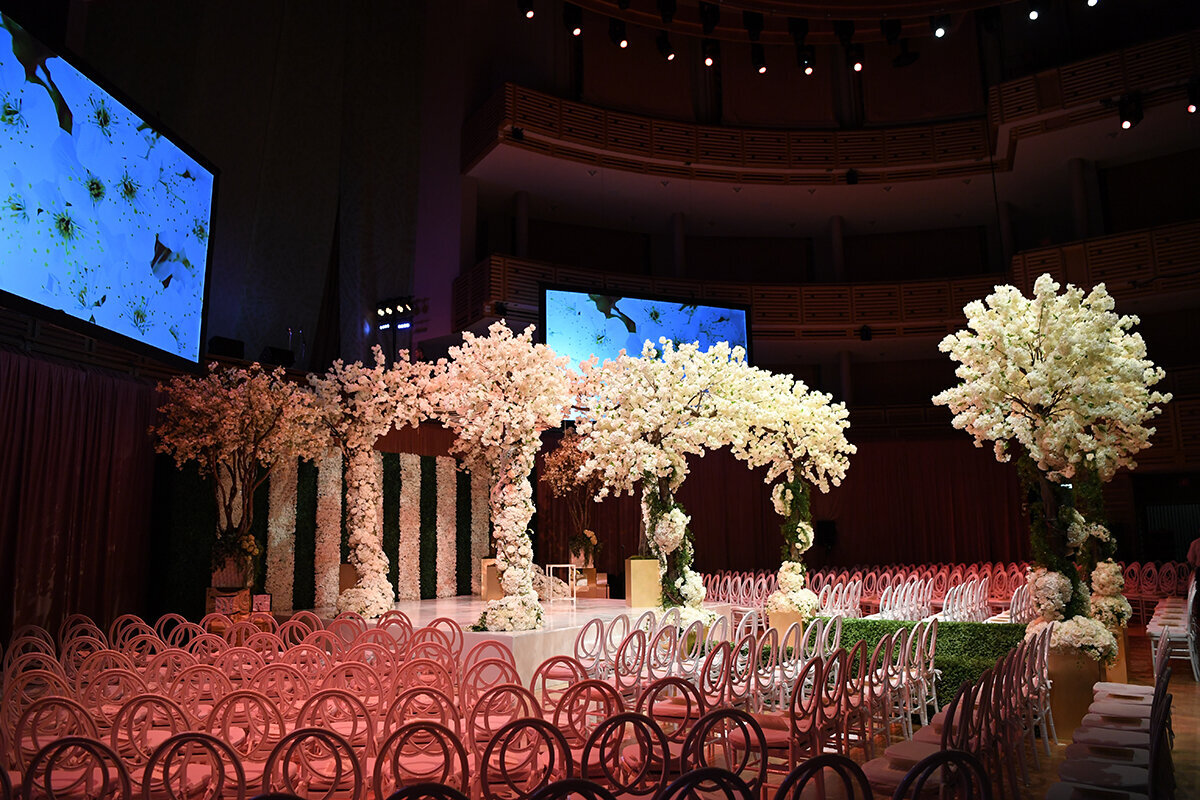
[(1119, 671), (642, 586), (1072, 676), (489, 582), (782, 620)]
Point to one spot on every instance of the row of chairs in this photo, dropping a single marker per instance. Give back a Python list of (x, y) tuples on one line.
[(1122, 749), (841, 599), (1176, 626), (908, 601), (967, 602)]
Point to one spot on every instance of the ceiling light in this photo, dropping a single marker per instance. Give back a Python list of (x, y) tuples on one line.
[(758, 58), (854, 57), (711, 51), (939, 25), (664, 46), (808, 59), (1037, 8), (1130, 108), (573, 19), (1193, 95), (616, 32), (526, 8)]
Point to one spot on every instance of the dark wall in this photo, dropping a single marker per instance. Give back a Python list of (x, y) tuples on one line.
[(1157, 191), (590, 248), (916, 255), (749, 259)]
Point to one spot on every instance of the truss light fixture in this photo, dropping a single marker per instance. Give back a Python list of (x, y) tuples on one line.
[(758, 58), (710, 17), (891, 29), (711, 51), (1130, 108), (1193, 94), (526, 8), (666, 10), (808, 59), (616, 32), (573, 19), (1037, 9), (665, 49), (939, 25)]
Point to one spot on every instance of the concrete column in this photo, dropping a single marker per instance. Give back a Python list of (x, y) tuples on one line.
[(678, 244), (521, 224), (844, 376), (837, 236)]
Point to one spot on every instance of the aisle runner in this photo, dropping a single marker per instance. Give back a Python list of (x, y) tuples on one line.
[(434, 529)]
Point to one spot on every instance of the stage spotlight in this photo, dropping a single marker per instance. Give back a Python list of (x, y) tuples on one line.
[(939, 25), (666, 10), (854, 57), (753, 22), (1093, 3), (1037, 8), (573, 19), (711, 51), (758, 58), (616, 32), (891, 30), (1130, 108), (710, 17), (808, 59), (526, 8), (664, 46), (1193, 95)]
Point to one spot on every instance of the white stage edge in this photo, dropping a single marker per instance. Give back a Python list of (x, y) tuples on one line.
[(562, 623)]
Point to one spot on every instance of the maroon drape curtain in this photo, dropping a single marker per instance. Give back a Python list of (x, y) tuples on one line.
[(76, 474), (903, 501)]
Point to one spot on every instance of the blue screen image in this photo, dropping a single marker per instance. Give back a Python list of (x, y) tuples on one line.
[(580, 325), (101, 216)]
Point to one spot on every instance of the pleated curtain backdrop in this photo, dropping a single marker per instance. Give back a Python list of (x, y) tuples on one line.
[(76, 474)]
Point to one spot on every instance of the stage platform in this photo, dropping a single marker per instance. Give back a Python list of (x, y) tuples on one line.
[(563, 622)]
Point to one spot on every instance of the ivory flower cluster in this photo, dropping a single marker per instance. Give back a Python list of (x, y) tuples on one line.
[(1108, 605), (357, 405), (1088, 635), (498, 393), (1060, 375), (793, 596), (1050, 592), (1080, 530)]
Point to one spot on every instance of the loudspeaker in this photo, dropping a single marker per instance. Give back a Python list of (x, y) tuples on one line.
[(227, 348), (277, 356), (826, 533)]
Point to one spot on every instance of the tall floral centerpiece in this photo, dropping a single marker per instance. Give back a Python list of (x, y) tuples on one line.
[(1060, 380), (357, 405), (800, 436), (642, 417), (561, 472), (498, 393), (238, 424)]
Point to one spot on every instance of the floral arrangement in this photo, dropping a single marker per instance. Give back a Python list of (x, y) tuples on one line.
[(1108, 605), (562, 470), (281, 534), (447, 544), (1080, 530), (1058, 374), (1050, 592), (328, 553), (793, 595), (238, 425), (357, 405), (585, 545), (498, 393), (408, 570), (1083, 634)]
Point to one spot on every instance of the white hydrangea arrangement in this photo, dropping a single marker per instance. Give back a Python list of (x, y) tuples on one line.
[(1050, 592), (1080, 530), (793, 596), (1087, 635), (1109, 606)]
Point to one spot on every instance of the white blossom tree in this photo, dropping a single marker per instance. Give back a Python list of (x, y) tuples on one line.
[(498, 393), (1061, 380), (642, 417), (237, 424), (357, 405)]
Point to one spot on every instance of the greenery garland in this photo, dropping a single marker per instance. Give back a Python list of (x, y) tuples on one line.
[(428, 550), (391, 522), (462, 532), (1051, 507), (659, 502), (799, 510), (304, 579)]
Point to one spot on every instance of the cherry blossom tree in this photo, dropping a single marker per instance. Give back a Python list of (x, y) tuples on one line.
[(237, 424), (357, 404), (498, 393), (1061, 380)]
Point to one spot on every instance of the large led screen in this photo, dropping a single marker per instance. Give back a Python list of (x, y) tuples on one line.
[(101, 215), (581, 324)]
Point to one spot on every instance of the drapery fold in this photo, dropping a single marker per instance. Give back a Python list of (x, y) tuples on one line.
[(76, 476)]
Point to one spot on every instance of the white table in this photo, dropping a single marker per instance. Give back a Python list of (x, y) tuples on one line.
[(572, 581)]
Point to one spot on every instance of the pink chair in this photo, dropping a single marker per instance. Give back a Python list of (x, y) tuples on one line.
[(76, 766), (495, 709), (197, 688), (360, 680), (582, 707), (269, 646), (488, 648), (140, 728), (316, 764), (124, 628), (733, 740), (44, 722), (627, 754), (523, 757), (312, 661), (239, 664), (421, 752), (675, 706), (423, 705), (206, 647), (629, 665), (552, 678), (252, 726), (190, 765), (107, 692), (454, 635), (342, 712), (485, 675), (426, 673)]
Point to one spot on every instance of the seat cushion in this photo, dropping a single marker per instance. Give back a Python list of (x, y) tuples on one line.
[(1076, 791), (1111, 737), (905, 755), (1104, 774), (1116, 723), (1130, 756), (1118, 709)]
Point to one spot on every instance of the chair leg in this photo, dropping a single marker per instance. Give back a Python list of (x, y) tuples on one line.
[(1048, 715)]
